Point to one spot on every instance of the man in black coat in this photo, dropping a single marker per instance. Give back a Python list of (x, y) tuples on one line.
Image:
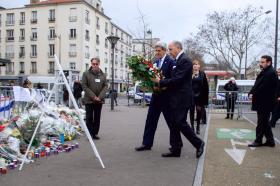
[(231, 96), (263, 95), (159, 100), (276, 112), (180, 101)]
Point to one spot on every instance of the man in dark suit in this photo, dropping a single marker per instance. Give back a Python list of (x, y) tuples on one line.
[(180, 101), (276, 112), (263, 95), (159, 101)]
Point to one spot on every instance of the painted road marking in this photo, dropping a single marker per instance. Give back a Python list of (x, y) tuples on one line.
[(231, 133)]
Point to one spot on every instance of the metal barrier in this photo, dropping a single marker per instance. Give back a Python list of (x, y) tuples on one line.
[(230, 103)]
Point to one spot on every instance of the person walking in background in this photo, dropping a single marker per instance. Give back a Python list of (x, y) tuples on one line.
[(231, 96), (114, 93), (276, 112), (77, 92), (263, 95), (159, 101), (180, 100), (94, 84), (200, 93)]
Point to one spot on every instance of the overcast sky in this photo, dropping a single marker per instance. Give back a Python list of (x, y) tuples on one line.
[(168, 20)]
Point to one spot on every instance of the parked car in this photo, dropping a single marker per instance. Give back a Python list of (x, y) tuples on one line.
[(130, 92), (138, 95)]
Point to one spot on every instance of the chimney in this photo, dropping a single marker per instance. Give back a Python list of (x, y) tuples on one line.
[(34, 1)]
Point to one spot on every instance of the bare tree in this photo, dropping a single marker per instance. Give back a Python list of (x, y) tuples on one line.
[(194, 50), (226, 36)]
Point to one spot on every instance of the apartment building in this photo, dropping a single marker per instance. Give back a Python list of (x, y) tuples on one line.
[(144, 47), (74, 30)]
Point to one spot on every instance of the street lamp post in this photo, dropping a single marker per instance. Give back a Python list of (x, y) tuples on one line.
[(276, 36), (246, 41), (151, 43), (127, 89), (113, 40)]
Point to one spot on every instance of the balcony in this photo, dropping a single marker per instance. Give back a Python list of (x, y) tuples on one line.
[(87, 55), (73, 18), (72, 54), (51, 19), (87, 21), (21, 22), (10, 72), (87, 38), (51, 37), (51, 55), (33, 71), (33, 21), (10, 55), (21, 72), (10, 39), (21, 38), (21, 55), (10, 23), (72, 37), (97, 42), (33, 55), (51, 71), (32, 38)]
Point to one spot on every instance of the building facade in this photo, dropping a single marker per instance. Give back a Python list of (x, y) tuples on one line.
[(74, 30)]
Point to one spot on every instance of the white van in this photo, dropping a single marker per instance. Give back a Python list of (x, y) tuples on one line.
[(138, 94), (244, 87)]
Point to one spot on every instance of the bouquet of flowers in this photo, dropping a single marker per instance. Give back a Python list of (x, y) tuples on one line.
[(143, 71)]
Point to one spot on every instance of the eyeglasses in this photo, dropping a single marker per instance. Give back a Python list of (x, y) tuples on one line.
[(94, 64)]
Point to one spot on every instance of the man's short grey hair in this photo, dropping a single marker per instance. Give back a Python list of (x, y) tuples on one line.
[(161, 45), (178, 44)]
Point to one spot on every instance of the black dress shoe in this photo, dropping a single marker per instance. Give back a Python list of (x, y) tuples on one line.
[(200, 150), (255, 144), (226, 117), (171, 154), (95, 137), (142, 148), (269, 144)]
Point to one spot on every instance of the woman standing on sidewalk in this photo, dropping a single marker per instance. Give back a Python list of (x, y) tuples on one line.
[(200, 93)]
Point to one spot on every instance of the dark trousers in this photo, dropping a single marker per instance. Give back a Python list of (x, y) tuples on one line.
[(263, 127), (155, 109), (203, 115), (179, 124), (93, 114), (198, 110), (230, 107), (275, 115)]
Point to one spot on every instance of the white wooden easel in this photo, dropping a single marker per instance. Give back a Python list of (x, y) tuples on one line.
[(71, 96)]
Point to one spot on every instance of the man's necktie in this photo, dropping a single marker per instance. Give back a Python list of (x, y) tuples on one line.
[(158, 63)]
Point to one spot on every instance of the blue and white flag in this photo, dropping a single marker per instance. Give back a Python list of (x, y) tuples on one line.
[(6, 106)]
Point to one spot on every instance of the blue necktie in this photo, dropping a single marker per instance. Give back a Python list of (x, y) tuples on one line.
[(158, 63)]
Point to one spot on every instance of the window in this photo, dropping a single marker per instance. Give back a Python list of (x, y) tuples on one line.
[(10, 35), (87, 52), (10, 19), (117, 34), (73, 15), (106, 43), (0, 20), (122, 36), (34, 17), (51, 15), (106, 71), (10, 68), (51, 33), (21, 67), (106, 57), (72, 65), (87, 35), (72, 50), (97, 52), (106, 28), (21, 34), (22, 18), (72, 34), (9, 51), (21, 52), (87, 17), (87, 66), (33, 34), (97, 40), (51, 67), (116, 75), (33, 50), (97, 22), (33, 67), (51, 50)]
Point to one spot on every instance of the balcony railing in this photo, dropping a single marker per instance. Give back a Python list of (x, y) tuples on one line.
[(87, 21), (10, 23), (21, 72), (32, 38), (21, 38), (33, 21), (72, 37), (10, 39), (51, 71), (73, 18), (72, 54), (51, 37), (33, 55), (33, 71), (51, 55), (87, 55), (22, 22), (10, 72), (87, 38), (21, 55), (51, 19), (10, 55)]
